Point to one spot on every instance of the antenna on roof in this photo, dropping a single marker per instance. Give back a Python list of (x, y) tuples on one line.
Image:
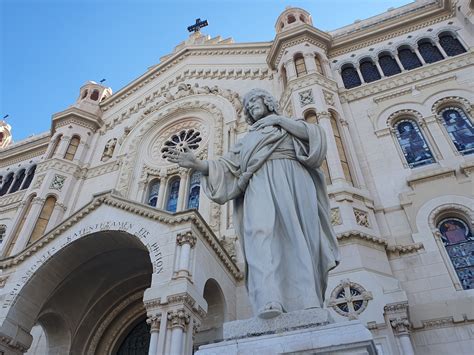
[(102, 81), (5, 117)]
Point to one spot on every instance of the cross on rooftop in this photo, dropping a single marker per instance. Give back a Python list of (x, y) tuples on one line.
[(198, 25)]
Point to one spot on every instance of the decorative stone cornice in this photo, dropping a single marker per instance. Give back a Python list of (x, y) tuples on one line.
[(398, 250), (186, 238), (13, 198), (74, 115), (441, 323), (351, 235), (408, 77), (397, 316), (24, 150), (176, 300), (369, 32), (430, 175), (301, 34), (145, 211), (179, 318), (12, 343)]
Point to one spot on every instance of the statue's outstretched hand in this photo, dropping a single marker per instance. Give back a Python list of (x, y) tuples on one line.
[(184, 158)]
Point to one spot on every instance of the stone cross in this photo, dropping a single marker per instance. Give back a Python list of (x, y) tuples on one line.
[(350, 298), (198, 25)]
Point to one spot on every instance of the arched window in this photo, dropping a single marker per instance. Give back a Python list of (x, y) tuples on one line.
[(389, 65), (350, 77), (311, 117), (19, 177), (6, 184), (300, 65), (72, 148), (369, 71), (459, 128), (56, 143), (84, 95), (319, 65), (451, 44), (3, 232), (413, 144), (43, 219), (137, 341), (172, 201), (284, 76), (95, 95), (24, 215), (291, 19), (340, 149), (429, 51), (459, 243), (153, 194), (194, 190), (29, 177), (408, 58)]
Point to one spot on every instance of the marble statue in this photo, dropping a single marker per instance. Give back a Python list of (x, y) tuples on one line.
[(281, 207)]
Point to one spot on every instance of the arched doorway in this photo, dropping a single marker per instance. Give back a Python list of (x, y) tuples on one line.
[(88, 297)]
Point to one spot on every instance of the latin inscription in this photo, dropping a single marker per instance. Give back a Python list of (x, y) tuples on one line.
[(121, 226)]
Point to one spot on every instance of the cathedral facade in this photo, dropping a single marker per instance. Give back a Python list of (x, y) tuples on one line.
[(107, 248)]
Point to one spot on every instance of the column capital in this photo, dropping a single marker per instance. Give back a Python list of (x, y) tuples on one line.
[(186, 238), (154, 321), (401, 326), (397, 315), (179, 318), (324, 115)]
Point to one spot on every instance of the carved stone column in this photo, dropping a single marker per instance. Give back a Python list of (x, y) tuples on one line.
[(420, 57), (183, 186), (56, 216), (185, 241), (441, 49), (154, 322), (396, 315), (62, 147), (80, 151), (162, 190), (395, 56), (178, 321), (357, 68), (290, 69), (30, 221), (377, 64), (310, 63)]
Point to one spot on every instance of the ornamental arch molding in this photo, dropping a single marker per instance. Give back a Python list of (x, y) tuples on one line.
[(387, 117), (212, 109), (446, 101)]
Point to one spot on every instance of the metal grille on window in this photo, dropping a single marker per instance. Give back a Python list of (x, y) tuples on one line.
[(153, 195), (350, 77), (451, 45), (413, 144), (172, 203), (137, 341), (459, 243), (187, 138), (389, 65), (460, 129), (429, 52), (409, 59), (369, 71), (194, 190)]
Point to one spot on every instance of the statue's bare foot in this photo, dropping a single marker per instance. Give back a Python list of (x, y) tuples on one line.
[(271, 310)]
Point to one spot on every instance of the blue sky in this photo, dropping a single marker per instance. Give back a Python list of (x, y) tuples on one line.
[(50, 48)]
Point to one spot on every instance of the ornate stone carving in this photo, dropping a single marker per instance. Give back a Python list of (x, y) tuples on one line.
[(109, 149), (328, 98), (38, 181), (349, 299), (448, 101), (336, 216), (400, 325), (397, 316), (362, 218), (179, 318), (154, 322), (57, 182), (186, 238), (306, 97), (3, 281)]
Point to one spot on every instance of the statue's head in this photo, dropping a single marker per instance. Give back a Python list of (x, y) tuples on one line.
[(268, 100)]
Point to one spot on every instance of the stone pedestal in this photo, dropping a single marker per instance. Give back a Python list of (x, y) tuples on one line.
[(303, 332)]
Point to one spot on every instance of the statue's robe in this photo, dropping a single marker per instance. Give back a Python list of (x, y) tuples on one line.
[(281, 214)]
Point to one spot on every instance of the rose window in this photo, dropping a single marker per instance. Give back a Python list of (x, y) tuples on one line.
[(187, 138), (349, 299)]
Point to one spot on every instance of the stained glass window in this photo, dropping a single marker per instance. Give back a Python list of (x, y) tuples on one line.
[(137, 341), (153, 195), (413, 144), (408, 58), (72, 148), (459, 243), (369, 71), (451, 45), (429, 52), (460, 129), (300, 65), (194, 190), (389, 65), (350, 77), (172, 203)]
